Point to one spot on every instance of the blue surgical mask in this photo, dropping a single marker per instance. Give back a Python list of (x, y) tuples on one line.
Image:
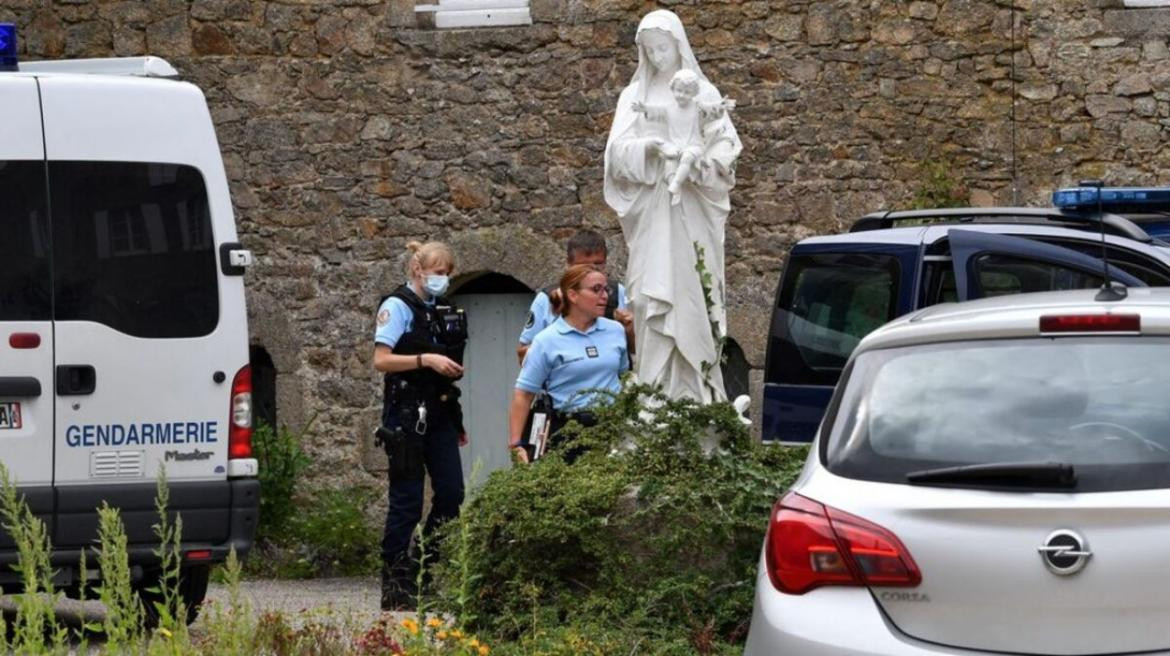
[(436, 285)]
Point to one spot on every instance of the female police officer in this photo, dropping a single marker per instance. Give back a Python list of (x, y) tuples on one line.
[(419, 345), (580, 352)]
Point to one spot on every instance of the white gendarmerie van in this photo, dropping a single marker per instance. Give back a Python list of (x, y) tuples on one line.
[(123, 332)]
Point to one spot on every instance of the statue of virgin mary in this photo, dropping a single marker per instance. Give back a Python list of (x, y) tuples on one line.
[(675, 271)]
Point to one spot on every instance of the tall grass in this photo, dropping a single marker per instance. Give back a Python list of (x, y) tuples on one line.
[(36, 629), (35, 618), (123, 624), (229, 629)]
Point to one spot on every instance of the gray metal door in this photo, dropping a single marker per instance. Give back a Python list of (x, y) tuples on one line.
[(495, 321)]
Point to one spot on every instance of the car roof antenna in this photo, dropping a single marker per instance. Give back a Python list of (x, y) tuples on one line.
[(1109, 292)]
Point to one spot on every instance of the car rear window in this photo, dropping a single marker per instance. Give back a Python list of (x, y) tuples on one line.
[(1094, 402), (133, 247)]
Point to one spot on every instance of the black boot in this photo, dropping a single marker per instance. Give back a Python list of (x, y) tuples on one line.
[(397, 585)]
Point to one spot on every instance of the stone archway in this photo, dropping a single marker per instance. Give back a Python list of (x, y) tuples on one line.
[(272, 333), (497, 308), (263, 386), (512, 251)]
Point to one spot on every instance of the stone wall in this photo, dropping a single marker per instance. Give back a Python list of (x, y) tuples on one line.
[(347, 129)]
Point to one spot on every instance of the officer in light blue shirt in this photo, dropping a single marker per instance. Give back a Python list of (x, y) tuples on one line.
[(419, 345), (574, 362), (395, 320), (585, 247), (580, 353)]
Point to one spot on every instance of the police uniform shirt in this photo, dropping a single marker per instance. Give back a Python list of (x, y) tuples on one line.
[(540, 314), (394, 320), (571, 361)]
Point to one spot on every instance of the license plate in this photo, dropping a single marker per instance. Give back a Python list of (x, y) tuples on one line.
[(10, 416)]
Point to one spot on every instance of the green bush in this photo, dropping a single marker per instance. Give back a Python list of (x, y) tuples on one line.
[(302, 534), (650, 534), (329, 536), (282, 461)]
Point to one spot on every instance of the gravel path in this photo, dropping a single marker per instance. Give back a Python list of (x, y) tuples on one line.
[(349, 601), (350, 604)]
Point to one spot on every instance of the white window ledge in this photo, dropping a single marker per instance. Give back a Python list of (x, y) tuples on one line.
[(1147, 3), (450, 14)]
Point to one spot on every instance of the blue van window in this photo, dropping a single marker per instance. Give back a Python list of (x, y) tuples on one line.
[(133, 248), (1146, 269), (1000, 275), (24, 242), (827, 304)]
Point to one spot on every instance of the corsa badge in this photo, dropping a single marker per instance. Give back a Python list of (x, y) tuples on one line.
[(531, 321), (383, 317)]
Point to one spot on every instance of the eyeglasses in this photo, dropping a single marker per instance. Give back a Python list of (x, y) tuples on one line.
[(598, 289)]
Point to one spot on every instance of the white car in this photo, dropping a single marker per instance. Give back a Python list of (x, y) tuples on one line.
[(991, 477)]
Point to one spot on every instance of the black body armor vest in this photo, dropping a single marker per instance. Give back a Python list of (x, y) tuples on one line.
[(442, 329)]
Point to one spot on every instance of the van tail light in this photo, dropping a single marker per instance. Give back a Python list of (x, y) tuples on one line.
[(240, 421), (810, 545), (1091, 323)]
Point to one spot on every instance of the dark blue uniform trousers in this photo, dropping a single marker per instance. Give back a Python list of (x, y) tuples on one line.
[(441, 456)]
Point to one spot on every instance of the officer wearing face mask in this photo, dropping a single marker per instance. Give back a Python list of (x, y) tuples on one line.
[(418, 345)]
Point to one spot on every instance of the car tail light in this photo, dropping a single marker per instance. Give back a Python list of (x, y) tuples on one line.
[(240, 422), (810, 545), (1091, 323), (24, 340), (199, 555)]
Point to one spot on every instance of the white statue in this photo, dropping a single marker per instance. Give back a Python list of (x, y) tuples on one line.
[(669, 168)]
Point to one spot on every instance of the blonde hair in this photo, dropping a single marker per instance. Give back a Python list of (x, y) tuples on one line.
[(430, 254)]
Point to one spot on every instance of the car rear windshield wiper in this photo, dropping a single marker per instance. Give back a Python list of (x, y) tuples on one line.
[(1040, 474)]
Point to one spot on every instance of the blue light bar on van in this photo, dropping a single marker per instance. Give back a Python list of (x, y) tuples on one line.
[(1112, 197), (8, 60)]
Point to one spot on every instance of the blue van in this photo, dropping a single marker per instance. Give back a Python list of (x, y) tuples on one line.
[(837, 289)]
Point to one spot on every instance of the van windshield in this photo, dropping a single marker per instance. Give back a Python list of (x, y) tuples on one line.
[(1095, 403)]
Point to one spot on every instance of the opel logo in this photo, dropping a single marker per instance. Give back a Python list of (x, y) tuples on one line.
[(1065, 552)]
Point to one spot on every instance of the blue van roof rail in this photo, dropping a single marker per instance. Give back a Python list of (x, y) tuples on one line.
[(1113, 224)]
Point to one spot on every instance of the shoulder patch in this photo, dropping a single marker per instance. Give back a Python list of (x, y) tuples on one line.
[(531, 321), (383, 316)]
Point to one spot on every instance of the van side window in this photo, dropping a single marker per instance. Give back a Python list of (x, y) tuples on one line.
[(133, 248), (1000, 275), (828, 303), (24, 242), (1144, 268)]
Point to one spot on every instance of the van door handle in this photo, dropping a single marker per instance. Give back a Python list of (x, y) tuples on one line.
[(75, 379), (19, 386)]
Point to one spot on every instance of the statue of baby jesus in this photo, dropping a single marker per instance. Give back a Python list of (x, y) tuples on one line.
[(692, 127)]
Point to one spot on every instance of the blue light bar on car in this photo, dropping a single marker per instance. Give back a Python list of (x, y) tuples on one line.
[(1112, 197), (8, 60)]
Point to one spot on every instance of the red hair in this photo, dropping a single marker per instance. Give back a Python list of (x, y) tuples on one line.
[(571, 279)]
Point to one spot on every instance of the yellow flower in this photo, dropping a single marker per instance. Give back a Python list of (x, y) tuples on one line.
[(483, 650), (434, 622), (457, 634), (473, 644), (410, 625), (441, 635)]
